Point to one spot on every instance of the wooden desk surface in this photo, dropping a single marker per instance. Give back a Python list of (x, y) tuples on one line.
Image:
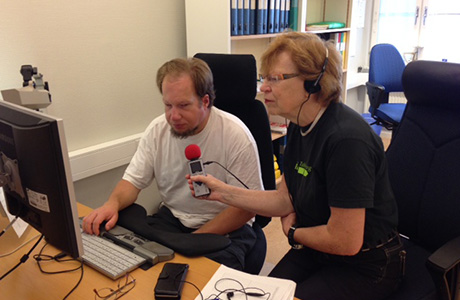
[(27, 282)]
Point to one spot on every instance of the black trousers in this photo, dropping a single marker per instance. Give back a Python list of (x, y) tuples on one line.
[(372, 274), (242, 239)]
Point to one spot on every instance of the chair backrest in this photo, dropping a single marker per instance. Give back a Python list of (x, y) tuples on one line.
[(386, 67), (235, 82), (424, 154)]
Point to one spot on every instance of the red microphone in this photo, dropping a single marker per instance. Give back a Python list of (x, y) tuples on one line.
[(192, 152), (195, 165)]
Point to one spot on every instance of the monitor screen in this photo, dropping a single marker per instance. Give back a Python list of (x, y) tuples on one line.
[(35, 174)]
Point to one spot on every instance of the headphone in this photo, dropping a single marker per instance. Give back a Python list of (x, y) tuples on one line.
[(312, 86)]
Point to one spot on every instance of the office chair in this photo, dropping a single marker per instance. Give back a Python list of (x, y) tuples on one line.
[(386, 67), (235, 81), (423, 160)]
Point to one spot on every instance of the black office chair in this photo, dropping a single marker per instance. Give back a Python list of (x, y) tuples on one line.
[(424, 165), (386, 67), (235, 81)]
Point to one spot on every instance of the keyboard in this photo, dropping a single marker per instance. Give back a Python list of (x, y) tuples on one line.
[(109, 258)]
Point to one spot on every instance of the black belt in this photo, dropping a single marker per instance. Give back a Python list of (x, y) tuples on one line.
[(392, 237)]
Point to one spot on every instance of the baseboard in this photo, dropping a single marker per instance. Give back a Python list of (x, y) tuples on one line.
[(96, 159)]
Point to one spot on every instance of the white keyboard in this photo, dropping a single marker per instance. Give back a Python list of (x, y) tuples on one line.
[(108, 258)]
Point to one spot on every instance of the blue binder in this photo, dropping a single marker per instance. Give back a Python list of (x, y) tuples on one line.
[(234, 18), (240, 17), (287, 13), (260, 17), (276, 27), (252, 17), (246, 16), (282, 15), (271, 16)]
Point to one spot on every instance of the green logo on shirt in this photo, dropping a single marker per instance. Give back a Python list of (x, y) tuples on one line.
[(303, 169)]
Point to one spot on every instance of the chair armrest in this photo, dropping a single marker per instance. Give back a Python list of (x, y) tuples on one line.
[(377, 95), (443, 265)]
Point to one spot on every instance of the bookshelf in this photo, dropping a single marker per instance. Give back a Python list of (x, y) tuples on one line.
[(208, 28)]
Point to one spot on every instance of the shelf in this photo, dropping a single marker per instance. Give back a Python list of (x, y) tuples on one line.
[(254, 36), (329, 30), (272, 35)]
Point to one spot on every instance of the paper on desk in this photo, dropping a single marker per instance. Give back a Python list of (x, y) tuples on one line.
[(19, 226), (227, 278)]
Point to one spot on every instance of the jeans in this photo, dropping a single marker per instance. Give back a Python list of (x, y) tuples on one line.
[(372, 274)]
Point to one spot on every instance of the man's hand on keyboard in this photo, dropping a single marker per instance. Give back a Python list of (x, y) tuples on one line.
[(106, 213)]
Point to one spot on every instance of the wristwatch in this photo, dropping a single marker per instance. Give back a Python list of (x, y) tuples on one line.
[(291, 240)]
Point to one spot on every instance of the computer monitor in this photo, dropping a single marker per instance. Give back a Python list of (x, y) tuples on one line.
[(35, 171)]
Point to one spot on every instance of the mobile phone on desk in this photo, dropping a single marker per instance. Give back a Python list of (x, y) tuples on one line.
[(170, 281)]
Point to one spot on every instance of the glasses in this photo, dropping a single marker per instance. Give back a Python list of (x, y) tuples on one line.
[(124, 285), (276, 77)]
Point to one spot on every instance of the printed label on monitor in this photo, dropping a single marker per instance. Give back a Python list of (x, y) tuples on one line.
[(38, 200)]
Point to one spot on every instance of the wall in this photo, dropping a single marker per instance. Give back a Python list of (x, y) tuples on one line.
[(359, 54), (100, 59)]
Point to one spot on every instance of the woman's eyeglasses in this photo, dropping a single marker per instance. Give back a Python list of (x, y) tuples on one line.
[(276, 77)]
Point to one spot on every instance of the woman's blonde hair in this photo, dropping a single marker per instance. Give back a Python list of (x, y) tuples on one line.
[(308, 53)]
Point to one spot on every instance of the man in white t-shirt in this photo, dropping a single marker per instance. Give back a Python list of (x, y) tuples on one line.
[(190, 118)]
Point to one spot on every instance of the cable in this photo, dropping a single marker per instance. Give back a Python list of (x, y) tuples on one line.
[(78, 283), (23, 259), (234, 176), (58, 258), (9, 225), (19, 247), (230, 292)]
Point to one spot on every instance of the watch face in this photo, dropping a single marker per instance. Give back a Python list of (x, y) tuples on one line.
[(297, 246)]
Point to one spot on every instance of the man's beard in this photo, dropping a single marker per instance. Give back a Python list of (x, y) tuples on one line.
[(183, 135)]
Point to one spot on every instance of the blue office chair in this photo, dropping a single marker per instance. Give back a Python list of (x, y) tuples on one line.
[(386, 67), (235, 81), (424, 164)]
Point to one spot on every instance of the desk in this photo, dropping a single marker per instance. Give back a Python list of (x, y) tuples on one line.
[(27, 282)]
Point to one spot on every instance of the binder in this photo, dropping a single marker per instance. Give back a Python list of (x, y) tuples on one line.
[(240, 17), (276, 29), (246, 17), (271, 16), (260, 17), (293, 15), (282, 15), (287, 13), (234, 18), (252, 17), (265, 10)]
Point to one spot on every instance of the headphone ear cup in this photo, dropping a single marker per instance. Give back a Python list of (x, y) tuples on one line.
[(311, 87)]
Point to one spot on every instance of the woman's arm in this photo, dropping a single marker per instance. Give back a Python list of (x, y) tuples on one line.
[(265, 203)]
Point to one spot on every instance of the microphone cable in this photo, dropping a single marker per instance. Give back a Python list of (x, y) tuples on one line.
[(234, 176)]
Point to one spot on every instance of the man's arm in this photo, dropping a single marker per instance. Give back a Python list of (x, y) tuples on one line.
[(123, 195), (228, 220)]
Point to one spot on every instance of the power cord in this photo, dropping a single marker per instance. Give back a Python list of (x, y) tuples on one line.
[(40, 257), (23, 259)]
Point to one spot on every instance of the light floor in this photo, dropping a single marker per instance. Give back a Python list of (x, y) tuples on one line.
[(277, 244)]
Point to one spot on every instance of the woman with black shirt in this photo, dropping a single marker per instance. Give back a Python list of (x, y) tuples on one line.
[(335, 201)]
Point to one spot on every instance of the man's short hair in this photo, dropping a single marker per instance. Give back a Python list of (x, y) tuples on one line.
[(197, 69)]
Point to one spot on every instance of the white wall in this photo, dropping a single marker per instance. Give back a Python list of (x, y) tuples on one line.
[(359, 55), (100, 59)]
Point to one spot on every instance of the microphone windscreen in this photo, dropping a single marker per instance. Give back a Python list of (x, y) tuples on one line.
[(192, 152)]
